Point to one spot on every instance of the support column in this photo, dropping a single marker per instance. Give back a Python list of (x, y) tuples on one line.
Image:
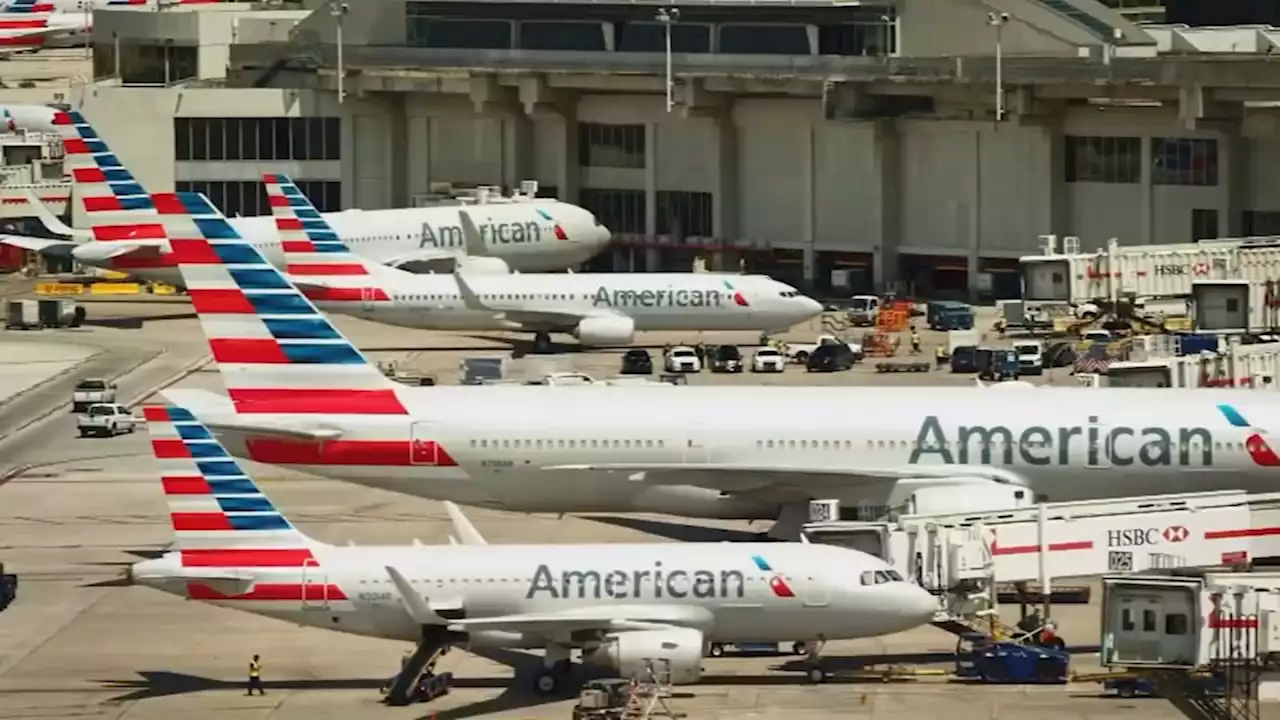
[(651, 179), (518, 148), (725, 209), (397, 136), (1146, 209), (1235, 170), (888, 154), (970, 217), (560, 107), (808, 222)]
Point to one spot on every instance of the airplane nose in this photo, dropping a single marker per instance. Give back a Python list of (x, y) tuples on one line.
[(809, 306), (917, 605)]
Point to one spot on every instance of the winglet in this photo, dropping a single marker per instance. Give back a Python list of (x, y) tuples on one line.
[(469, 296), (466, 532), (413, 602), (51, 221), (472, 242)]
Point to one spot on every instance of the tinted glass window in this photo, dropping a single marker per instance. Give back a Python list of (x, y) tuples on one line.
[(199, 139), (466, 34), (652, 37), (233, 131), (181, 139), (332, 139), (552, 35), (764, 39), (728, 352)]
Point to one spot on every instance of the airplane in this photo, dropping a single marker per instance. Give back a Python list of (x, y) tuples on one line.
[(21, 31), (598, 309), (525, 234), (301, 396), (33, 118), (68, 6), (621, 604)]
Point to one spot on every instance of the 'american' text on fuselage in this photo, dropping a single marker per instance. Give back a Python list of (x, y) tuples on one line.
[(604, 297), (503, 233), (657, 582), (1116, 445)]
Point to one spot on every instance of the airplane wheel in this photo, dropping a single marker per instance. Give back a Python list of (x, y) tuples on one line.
[(542, 343), (546, 684), (717, 650), (816, 675), (799, 648)]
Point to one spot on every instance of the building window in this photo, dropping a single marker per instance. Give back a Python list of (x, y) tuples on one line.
[(1103, 159), (249, 199), (764, 39), (311, 138), (561, 35), (458, 33), (652, 37), (156, 64), (614, 146), (1260, 222), (864, 31), (1204, 224), (1184, 161), (684, 214), (622, 211)]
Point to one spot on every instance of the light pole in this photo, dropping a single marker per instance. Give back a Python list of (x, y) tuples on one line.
[(997, 21), (669, 17), (339, 10)]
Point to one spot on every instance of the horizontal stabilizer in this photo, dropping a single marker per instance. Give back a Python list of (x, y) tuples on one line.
[(466, 532), (35, 244), (314, 433), (96, 252)]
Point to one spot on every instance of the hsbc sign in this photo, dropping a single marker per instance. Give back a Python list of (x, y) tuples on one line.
[(1142, 537)]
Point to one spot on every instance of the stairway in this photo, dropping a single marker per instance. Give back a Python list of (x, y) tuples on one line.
[(1200, 697)]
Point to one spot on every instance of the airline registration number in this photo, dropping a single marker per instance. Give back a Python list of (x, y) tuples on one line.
[(374, 596)]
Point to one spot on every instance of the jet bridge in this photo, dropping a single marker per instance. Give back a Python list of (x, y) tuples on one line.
[(962, 556)]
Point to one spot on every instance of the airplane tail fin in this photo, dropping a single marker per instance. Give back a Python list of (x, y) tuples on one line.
[(316, 259), (108, 191), (215, 507), (29, 6), (276, 352)]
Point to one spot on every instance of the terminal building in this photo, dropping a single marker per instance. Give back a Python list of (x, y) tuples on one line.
[(843, 147)]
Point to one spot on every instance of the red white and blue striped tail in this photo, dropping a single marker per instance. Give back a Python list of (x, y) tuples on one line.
[(213, 504), (276, 352), (108, 191), (316, 259), (28, 6)]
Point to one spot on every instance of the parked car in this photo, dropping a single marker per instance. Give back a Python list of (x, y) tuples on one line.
[(89, 392), (768, 359), (106, 420), (727, 359), (831, 358), (683, 359), (637, 362)]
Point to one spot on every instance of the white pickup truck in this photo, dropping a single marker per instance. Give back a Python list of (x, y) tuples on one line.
[(90, 392), (106, 420), (800, 352)]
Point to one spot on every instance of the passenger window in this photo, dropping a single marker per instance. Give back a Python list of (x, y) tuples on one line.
[(769, 444), (1175, 624), (868, 578), (1148, 621), (571, 443), (484, 443), (1126, 620)]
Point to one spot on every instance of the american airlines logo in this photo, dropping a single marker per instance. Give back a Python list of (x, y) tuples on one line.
[(604, 297), (657, 582), (503, 233)]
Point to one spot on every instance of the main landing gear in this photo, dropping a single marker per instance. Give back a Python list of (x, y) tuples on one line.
[(541, 343), (813, 661), (554, 675), (417, 681)]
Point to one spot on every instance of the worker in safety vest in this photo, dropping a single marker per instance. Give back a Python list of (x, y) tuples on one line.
[(940, 356), (915, 341), (255, 676)]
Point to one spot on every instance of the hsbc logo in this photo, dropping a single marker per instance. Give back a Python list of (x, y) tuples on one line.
[(1141, 537)]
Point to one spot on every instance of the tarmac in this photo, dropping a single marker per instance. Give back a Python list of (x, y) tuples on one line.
[(78, 510)]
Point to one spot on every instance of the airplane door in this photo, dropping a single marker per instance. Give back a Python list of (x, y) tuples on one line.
[(815, 592), (315, 587), (424, 449), (695, 453), (368, 296)]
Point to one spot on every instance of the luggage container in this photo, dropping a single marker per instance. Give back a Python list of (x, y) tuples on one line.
[(22, 315), (60, 312)]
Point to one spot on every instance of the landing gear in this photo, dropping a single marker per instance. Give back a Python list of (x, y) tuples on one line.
[(557, 666), (542, 343), (813, 662), (417, 681)]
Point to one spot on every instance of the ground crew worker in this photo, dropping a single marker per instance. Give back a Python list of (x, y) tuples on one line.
[(940, 356), (915, 341), (255, 676)]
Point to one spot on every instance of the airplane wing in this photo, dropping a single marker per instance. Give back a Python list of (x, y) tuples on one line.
[(742, 478), (466, 532), (50, 221), (27, 242), (91, 252), (527, 316), (593, 618)]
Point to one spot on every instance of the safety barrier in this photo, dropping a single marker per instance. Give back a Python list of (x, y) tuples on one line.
[(104, 288), (59, 289), (115, 289)]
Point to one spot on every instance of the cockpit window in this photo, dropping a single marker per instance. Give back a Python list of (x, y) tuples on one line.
[(880, 577), (789, 293)]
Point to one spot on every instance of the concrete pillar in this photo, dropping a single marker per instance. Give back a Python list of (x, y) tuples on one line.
[(969, 216), (1233, 167), (1059, 199), (1146, 209), (808, 206), (561, 108), (397, 136), (725, 211), (888, 150), (651, 179), (518, 148)]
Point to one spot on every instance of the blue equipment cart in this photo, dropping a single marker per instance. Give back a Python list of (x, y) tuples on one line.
[(980, 658)]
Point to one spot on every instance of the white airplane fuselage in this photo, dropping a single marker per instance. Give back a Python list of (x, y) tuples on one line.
[(729, 591), (496, 443), (532, 236), (56, 29), (654, 301)]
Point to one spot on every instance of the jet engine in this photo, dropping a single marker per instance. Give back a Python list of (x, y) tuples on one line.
[(627, 652), (611, 330)]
